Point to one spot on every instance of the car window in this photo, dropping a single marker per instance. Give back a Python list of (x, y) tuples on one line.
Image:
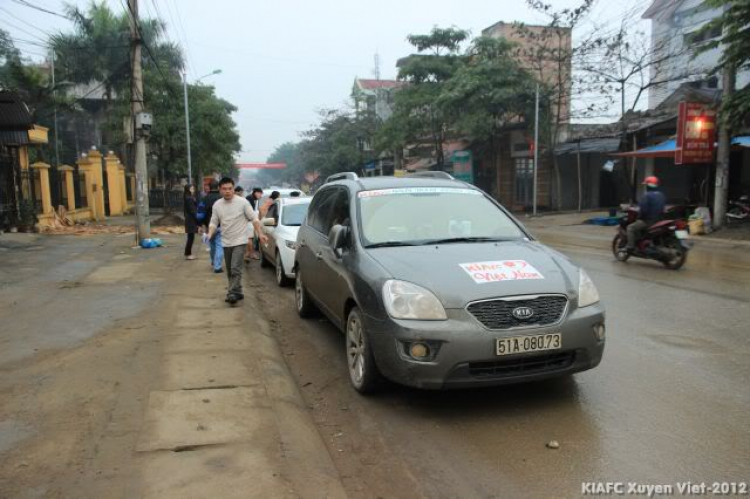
[(321, 204), (424, 215), (339, 213), (294, 214)]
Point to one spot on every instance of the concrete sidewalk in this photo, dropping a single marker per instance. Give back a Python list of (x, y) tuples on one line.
[(124, 374), (226, 418)]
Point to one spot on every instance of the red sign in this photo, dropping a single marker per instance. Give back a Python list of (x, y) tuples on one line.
[(696, 134), (260, 166)]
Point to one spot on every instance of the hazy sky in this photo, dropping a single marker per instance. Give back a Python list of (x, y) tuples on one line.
[(282, 60)]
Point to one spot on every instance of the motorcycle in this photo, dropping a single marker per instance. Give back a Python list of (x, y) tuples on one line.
[(739, 210), (664, 241)]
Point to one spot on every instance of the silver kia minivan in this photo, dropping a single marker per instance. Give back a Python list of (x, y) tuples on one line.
[(436, 285)]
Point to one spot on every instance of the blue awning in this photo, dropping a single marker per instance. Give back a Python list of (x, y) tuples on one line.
[(664, 150)]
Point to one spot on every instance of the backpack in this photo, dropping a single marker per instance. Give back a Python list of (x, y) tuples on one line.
[(200, 214)]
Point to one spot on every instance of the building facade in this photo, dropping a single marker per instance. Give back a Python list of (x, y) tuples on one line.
[(676, 34)]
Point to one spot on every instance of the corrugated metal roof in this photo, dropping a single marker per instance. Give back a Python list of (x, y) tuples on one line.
[(14, 115), (13, 138), (597, 145)]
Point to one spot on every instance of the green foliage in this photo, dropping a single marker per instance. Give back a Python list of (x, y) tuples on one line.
[(735, 21), (416, 105), (488, 92)]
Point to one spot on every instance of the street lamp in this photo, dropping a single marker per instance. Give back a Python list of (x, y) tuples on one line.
[(187, 119)]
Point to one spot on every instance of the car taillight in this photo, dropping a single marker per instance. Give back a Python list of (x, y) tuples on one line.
[(680, 224)]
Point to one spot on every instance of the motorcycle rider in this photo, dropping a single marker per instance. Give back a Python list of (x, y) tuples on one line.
[(651, 210)]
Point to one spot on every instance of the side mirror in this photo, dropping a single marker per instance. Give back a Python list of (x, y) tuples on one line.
[(338, 237), (269, 222)]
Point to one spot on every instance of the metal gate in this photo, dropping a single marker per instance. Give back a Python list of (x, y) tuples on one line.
[(9, 186)]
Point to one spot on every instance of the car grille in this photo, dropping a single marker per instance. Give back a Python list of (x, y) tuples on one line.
[(497, 314), (521, 366)]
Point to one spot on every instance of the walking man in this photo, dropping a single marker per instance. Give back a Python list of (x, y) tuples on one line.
[(217, 250), (232, 213)]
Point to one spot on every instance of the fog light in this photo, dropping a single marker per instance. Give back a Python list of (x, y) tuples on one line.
[(599, 331), (419, 350)]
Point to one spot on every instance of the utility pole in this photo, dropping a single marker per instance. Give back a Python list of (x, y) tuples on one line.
[(536, 146), (54, 95), (721, 189), (187, 128), (143, 228)]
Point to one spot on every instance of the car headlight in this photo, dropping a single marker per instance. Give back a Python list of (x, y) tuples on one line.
[(404, 300), (291, 245), (587, 293)]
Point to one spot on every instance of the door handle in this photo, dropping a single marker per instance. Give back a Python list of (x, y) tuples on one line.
[(319, 256)]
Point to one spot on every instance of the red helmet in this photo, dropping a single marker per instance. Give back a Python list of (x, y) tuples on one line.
[(651, 181)]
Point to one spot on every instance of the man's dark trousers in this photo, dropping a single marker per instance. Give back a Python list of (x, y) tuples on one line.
[(233, 260)]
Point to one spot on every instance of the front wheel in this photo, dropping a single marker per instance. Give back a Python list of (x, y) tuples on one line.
[(281, 278), (363, 373), (620, 247), (676, 254)]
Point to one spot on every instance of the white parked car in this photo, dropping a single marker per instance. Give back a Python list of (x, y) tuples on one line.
[(281, 224)]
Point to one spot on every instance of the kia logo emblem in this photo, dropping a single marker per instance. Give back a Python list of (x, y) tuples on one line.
[(523, 313)]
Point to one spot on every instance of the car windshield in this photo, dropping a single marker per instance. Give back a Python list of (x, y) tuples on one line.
[(294, 214), (430, 215)]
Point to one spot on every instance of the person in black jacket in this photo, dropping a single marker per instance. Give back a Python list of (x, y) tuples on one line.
[(190, 211)]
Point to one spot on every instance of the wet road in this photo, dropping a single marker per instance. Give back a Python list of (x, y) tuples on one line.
[(669, 403)]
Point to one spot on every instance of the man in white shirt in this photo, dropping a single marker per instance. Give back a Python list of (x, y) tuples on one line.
[(232, 213)]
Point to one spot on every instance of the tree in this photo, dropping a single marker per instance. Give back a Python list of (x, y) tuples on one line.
[(487, 93), (437, 60)]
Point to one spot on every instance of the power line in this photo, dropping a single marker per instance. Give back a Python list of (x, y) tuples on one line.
[(24, 22), (32, 35), (32, 6), (193, 67), (149, 52)]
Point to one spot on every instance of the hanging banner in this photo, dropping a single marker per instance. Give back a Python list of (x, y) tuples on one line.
[(696, 134), (260, 166)]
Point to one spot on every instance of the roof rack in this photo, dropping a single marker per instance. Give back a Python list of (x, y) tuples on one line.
[(429, 174), (342, 176)]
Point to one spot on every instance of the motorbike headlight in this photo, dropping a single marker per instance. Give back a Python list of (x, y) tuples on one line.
[(587, 293), (404, 300), (291, 245)]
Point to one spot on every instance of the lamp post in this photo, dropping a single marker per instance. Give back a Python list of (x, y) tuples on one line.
[(187, 119)]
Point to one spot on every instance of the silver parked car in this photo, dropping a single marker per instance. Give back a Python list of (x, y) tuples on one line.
[(281, 224), (436, 285)]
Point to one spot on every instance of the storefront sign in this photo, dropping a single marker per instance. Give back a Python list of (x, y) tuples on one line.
[(696, 134), (462, 166)]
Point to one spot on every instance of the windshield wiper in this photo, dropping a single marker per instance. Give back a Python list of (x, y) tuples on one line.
[(463, 240), (388, 244)]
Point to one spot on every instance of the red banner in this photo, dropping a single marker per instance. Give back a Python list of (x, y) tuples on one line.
[(260, 166), (696, 134)]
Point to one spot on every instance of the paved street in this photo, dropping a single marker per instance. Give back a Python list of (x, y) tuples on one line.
[(109, 355), (667, 404)]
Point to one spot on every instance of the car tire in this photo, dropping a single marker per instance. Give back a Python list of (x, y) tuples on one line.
[(305, 307), (281, 279), (263, 260), (363, 372)]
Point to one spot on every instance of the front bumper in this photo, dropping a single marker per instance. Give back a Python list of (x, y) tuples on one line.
[(466, 350), (287, 258)]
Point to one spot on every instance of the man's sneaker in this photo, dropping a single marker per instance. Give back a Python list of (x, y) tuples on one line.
[(218, 271), (231, 299), (239, 296)]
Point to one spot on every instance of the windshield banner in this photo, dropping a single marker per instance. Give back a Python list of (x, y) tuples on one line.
[(501, 270), (416, 190)]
